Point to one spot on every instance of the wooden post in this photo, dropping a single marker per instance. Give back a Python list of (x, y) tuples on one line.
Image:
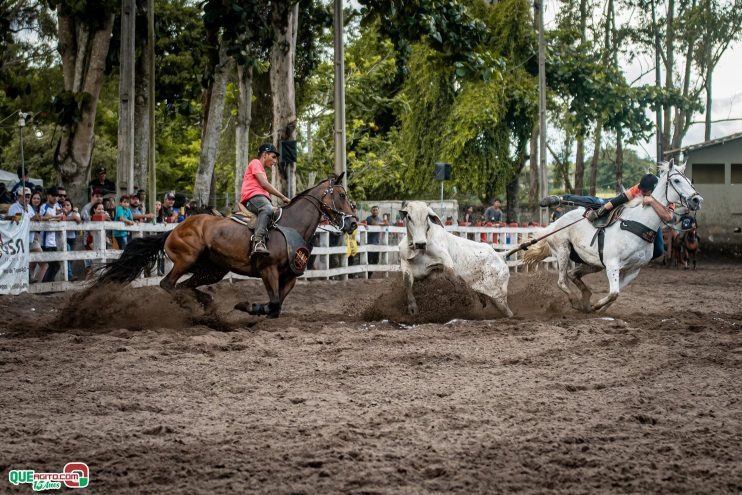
[(125, 169), (340, 159)]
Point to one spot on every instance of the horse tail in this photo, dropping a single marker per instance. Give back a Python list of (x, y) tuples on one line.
[(140, 254), (537, 252)]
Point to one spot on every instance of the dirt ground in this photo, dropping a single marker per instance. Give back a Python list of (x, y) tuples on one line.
[(346, 394)]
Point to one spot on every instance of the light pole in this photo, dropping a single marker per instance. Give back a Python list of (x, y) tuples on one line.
[(21, 124)]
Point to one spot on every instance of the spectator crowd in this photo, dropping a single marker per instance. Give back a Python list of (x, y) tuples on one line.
[(53, 205)]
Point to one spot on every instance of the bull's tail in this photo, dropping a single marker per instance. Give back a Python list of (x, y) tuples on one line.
[(537, 252), (140, 254)]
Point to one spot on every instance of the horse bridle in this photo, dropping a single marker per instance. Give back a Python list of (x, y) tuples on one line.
[(327, 210), (668, 184)]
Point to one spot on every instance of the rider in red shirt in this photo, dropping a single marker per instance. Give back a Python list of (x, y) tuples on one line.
[(255, 194), (644, 188)]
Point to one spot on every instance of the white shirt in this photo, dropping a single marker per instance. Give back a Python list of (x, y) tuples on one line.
[(50, 238), (18, 208)]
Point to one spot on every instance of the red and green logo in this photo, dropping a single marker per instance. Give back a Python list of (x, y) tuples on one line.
[(74, 475)]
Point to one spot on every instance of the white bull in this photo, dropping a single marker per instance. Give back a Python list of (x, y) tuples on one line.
[(428, 247)]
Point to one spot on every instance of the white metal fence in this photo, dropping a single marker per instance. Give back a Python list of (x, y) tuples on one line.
[(329, 256)]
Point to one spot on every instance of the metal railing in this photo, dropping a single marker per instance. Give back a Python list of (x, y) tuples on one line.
[(329, 258)]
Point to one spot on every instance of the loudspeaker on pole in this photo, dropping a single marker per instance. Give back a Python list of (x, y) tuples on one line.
[(288, 151)]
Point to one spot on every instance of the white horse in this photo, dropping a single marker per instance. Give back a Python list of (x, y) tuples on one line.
[(624, 252)]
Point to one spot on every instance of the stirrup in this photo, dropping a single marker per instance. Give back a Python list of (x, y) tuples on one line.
[(259, 248), (550, 201)]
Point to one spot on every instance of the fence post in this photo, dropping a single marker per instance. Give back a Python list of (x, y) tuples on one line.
[(364, 254)]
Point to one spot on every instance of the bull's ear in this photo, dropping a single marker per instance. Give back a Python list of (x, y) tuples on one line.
[(433, 217)]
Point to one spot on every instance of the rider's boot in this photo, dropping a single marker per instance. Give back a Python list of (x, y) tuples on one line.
[(550, 201), (258, 246)]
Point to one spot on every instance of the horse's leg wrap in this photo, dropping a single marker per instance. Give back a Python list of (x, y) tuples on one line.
[(272, 309)]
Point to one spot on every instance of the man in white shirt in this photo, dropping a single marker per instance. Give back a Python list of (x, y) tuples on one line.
[(50, 211), (22, 204)]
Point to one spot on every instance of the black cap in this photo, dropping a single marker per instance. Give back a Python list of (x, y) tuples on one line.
[(268, 148), (648, 183)]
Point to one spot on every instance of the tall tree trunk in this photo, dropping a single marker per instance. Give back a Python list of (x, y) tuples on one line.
[(619, 160), (83, 53), (580, 153), (141, 110), (596, 157), (707, 87), (511, 195), (242, 129), (580, 165), (285, 25), (212, 128), (127, 98), (533, 192), (669, 70)]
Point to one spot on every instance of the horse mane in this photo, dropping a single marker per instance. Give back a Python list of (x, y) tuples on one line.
[(664, 167), (331, 177)]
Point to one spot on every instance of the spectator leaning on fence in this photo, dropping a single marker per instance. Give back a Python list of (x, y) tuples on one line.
[(61, 196), (494, 214), (137, 210), (71, 215), (50, 212), (36, 270), (87, 210), (123, 214), (22, 204), (373, 237), (166, 213)]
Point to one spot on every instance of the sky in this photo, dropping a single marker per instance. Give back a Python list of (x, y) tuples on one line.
[(726, 95), (726, 90)]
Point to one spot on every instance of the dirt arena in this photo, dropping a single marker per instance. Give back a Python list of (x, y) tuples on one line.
[(345, 394)]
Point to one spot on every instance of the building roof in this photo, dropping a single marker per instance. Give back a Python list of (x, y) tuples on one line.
[(706, 144)]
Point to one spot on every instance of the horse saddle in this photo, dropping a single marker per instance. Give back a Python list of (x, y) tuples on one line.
[(608, 218), (249, 219), (297, 248)]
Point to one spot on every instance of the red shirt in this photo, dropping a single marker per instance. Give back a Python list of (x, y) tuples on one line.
[(250, 185)]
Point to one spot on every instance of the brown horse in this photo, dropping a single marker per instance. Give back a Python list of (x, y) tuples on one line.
[(689, 247), (210, 246)]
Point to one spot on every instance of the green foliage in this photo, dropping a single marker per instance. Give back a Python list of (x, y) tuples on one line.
[(180, 54), (634, 168), (445, 25)]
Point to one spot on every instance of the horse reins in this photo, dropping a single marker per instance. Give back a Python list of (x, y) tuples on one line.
[(321, 205)]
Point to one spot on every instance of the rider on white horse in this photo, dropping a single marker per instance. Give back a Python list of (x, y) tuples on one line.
[(623, 246), (597, 207)]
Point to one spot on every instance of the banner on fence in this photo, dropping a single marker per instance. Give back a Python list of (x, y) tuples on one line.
[(14, 256)]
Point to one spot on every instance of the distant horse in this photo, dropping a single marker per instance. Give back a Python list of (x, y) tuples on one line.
[(625, 251), (689, 247), (211, 246)]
